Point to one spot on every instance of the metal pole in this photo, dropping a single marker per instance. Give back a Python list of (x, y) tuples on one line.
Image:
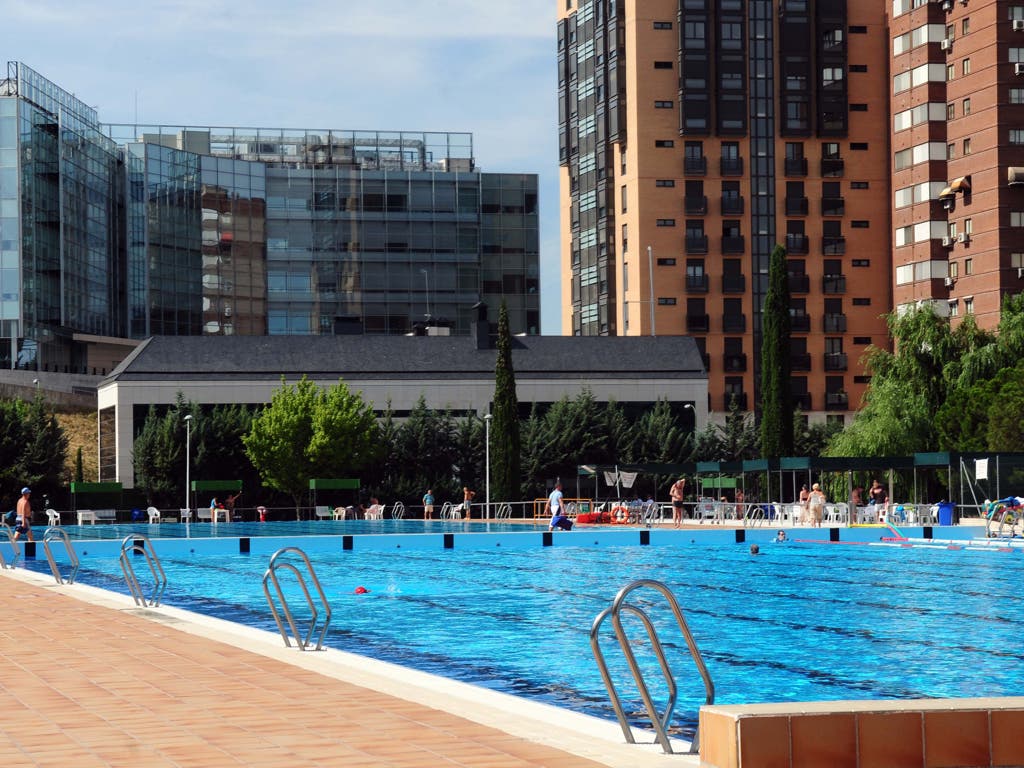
[(426, 285), (650, 277), (188, 466), (487, 467)]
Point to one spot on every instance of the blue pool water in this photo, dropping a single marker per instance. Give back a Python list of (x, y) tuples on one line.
[(799, 622)]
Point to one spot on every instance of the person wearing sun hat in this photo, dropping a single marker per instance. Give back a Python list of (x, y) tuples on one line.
[(24, 512)]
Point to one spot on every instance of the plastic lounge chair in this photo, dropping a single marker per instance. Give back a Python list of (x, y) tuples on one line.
[(154, 515), (52, 517), (322, 512)]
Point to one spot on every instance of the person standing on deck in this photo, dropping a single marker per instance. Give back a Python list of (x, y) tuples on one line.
[(676, 493)]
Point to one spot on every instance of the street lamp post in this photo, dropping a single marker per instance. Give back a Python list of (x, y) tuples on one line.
[(487, 465), (188, 464), (426, 285)]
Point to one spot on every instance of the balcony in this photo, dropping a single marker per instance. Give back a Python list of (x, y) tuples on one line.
[(732, 244), (796, 206), (800, 324), (732, 206), (739, 397), (833, 246), (734, 284), (695, 204), (695, 166), (833, 206), (734, 323), (735, 363), (832, 167), (799, 361), (697, 283), (696, 243), (698, 323), (834, 323), (797, 244), (731, 166), (833, 284), (799, 283), (837, 401), (802, 400), (835, 361), (796, 166)]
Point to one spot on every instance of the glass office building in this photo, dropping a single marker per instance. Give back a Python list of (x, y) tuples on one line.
[(128, 231)]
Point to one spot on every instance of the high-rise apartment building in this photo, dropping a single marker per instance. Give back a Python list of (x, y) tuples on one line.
[(126, 231), (695, 135)]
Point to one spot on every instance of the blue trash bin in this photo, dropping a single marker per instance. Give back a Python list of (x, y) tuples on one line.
[(946, 512)]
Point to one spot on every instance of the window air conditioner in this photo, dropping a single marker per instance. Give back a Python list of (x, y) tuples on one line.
[(963, 238), (1020, 273), (1018, 68), (949, 282), (1018, 25), (947, 5), (946, 44), (947, 242)]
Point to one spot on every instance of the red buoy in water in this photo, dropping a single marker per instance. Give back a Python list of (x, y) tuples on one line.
[(361, 590)]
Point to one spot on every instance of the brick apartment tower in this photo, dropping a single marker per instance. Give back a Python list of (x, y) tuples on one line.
[(958, 154), (697, 134)]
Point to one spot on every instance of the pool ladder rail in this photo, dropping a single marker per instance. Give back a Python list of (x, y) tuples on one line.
[(615, 610), (14, 546), (277, 562), (52, 534), (139, 544)]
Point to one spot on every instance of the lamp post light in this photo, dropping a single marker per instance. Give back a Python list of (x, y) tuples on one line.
[(426, 285), (487, 465), (188, 464)]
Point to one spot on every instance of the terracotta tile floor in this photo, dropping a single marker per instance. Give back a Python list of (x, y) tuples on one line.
[(85, 685)]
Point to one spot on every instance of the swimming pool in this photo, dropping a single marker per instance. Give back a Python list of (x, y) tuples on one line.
[(799, 622)]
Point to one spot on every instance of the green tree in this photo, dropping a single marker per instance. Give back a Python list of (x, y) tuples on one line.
[(306, 432), (45, 449), (739, 436), (506, 442), (158, 455), (1006, 416), (12, 443), (423, 451), (776, 396), (79, 469), (218, 450)]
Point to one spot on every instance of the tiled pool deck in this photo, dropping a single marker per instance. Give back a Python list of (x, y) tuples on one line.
[(90, 680)]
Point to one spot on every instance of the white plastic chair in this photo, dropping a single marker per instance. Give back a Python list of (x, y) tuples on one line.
[(52, 517), (154, 515), (322, 512)]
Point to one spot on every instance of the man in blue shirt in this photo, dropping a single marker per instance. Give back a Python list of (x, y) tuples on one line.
[(558, 517)]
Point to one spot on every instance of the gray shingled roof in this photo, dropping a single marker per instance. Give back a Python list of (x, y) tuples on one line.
[(359, 356)]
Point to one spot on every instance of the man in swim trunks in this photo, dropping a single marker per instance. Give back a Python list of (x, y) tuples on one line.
[(24, 513), (676, 494), (558, 517)]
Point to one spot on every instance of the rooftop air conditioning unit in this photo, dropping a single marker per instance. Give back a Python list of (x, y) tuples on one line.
[(1018, 25), (946, 44), (947, 242), (949, 282), (1018, 68), (963, 237)]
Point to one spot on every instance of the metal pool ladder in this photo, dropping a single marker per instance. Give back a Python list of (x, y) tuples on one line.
[(277, 563), (14, 546), (139, 544), (615, 610), (52, 534)]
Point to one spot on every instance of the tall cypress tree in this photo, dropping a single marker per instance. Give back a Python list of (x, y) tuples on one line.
[(505, 440), (776, 394)]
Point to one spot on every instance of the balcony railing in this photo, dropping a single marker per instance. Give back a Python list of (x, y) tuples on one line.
[(735, 363), (733, 244), (802, 400), (796, 166), (731, 166), (799, 361), (698, 323), (834, 323), (833, 284), (797, 244), (831, 167), (732, 206), (734, 323), (800, 324), (799, 283), (796, 206), (696, 243), (695, 165), (695, 204), (833, 206), (697, 283), (734, 284), (835, 361), (833, 246), (837, 401), (739, 397)]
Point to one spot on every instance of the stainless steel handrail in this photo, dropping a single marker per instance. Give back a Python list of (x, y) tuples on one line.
[(271, 577), (14, 546), (54, 533), (139, 544), (504, 511), (660, 722)]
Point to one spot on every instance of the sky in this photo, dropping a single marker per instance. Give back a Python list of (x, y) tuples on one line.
[(477, 66)]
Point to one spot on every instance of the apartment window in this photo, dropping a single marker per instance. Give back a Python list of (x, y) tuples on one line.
[(694, 35), (664, 143), (862, 340), (857, 29), (623, 193), (859, 146), (965, 25), (954, 269), (666, 222), (663, 105), (860, 263), (1017, 55), (625, 238), (667, 262), (967, 146), (862, 302), (858, 67), (1017, 218), (1017, 95), (663, 25), (965, 106), (1015, 12), (969, 306), (860, 224), (1017, 260), (950, 31), (954, 308), (969, 226), (859, 185), (950, 71), (968, 266), (858, 107), (965, 66), (950, 151), (950, 110), (663, 65), (664, 182), (667, 301), (1017, 135)]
